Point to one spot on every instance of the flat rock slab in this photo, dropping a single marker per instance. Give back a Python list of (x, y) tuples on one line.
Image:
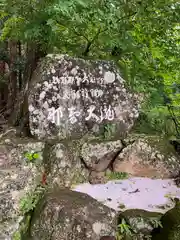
[(135, 193)]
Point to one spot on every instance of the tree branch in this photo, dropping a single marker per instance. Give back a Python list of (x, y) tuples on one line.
[(80, 35), (90, 43)]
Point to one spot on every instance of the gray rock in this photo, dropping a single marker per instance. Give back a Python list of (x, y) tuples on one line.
[(65, 214), (99, 155), (141, 221), (71, 97), (147, 156), (64, 166), (16, 178), (97, 177)]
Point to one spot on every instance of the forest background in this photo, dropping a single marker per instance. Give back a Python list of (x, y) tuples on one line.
[(142, 37)]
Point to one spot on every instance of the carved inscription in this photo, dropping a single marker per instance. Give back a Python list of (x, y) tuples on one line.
[(84, 93), (87, 89), (56, 115)]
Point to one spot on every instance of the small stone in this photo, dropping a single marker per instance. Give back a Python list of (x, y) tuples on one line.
[(97, 177), (7, 141)]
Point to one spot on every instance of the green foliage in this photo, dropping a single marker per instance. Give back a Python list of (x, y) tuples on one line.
[(117, 175), (27, 203), (34, 158), (108, 130), (156, 223), (16, 236), (30, 200), (155, 120), (142, 37), (123, 230), (31, 156), (72, 25), (24, 225)]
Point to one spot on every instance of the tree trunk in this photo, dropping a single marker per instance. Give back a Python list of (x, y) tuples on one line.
[(20, 70), (2, 73), (12, 84), (21, 115)]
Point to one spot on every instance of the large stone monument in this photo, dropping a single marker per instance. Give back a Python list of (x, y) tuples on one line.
[(71, 97)]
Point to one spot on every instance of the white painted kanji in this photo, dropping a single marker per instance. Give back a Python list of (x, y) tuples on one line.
[(73, 114), (75, 94), (102, 115), (96, 92), (105, 113), (55, 115), (84, 93), (91, 114), (66, 94), (109, 113)]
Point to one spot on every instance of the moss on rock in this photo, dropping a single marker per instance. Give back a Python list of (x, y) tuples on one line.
[(171, 225)]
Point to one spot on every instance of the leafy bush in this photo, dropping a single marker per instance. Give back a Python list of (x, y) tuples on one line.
[(117, 175), (30, 200), (155, 121)]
